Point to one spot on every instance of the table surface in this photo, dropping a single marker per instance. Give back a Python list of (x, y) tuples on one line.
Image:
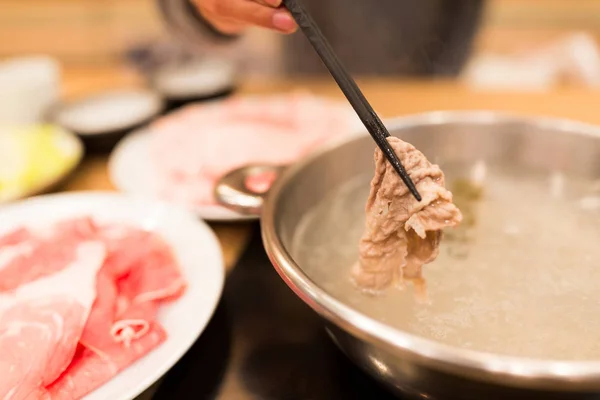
[(258, 362)]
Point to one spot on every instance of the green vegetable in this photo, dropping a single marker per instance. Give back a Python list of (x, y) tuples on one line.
[(34, 157)]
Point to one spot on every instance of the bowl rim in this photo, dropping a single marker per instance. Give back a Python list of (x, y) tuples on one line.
[(157, 107), (500, 368)]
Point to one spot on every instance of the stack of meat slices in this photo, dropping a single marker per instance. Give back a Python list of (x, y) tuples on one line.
[(193, 148), (78, 304)]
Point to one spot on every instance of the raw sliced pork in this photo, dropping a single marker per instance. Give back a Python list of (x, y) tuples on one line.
[(41, 323), (35, 256), (88, 315), (402, 234), (192, 148)]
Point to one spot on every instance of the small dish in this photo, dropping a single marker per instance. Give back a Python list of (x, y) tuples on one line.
[(194, 81), (102, 119)]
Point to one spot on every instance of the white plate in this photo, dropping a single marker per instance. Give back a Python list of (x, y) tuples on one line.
[(130, 170), (195, 246), (109, 111)]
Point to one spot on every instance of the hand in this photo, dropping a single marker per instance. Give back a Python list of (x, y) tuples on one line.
[(233, 16)]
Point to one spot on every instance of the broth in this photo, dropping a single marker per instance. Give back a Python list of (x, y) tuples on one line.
[(521, 277)]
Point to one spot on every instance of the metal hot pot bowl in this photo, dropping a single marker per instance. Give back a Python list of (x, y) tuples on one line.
[(417, 367)]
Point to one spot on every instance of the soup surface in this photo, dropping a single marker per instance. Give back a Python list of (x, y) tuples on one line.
[(520, 276)]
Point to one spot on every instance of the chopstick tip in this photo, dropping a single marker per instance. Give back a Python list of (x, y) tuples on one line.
[(417, 195), (413, 189)]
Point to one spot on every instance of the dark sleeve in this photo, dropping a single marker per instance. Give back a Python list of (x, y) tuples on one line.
[(186, 23)]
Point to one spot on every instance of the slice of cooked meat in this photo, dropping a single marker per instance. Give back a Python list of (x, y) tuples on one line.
[(402, 234)]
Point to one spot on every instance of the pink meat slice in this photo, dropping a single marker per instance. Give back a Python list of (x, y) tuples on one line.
[(89, 323), (150, 282), (41, 323), (139, 274), (15, 237), (194, 147), (31, 260), (126, 247), (95, 335), (80, 227), (26, 257), (90, 369)]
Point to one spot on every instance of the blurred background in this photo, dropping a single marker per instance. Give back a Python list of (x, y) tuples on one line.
[(67, 28), (84, 33)]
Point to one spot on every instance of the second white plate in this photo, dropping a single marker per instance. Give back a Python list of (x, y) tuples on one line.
[(131, 171)]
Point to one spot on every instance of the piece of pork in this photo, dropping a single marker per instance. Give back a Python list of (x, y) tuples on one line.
[(402, 234), (42, 320), (78, 304)]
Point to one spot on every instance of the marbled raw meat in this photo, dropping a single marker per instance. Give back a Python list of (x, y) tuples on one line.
[(26, 257), (192, 148), (140, 273), (41, 323), (89, 369), (14, 237), (117, 325)]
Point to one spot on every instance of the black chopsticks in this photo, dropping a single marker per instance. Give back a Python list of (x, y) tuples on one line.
[(358, 101)]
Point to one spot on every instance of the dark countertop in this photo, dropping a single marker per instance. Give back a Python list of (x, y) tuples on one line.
[(265, 343)]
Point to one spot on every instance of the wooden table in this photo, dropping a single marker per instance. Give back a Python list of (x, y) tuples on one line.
[(389, 98)]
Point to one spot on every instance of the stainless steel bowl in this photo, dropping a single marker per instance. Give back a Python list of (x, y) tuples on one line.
[(413, 365)]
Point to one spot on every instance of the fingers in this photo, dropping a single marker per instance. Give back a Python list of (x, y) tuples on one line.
[(284, 22), (252, 13), (230, 14)]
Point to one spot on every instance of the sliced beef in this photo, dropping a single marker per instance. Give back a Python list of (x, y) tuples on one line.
[(41, 322), (402, 234), (89, 369), (78, 304), (140, 274), (25, 256)]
